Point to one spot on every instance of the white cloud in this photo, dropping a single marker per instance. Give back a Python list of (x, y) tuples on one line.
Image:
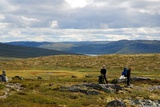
[(54, 24), (2, 17), (5, 7), (77, 3), (49, 34), (15, 33), (71, 20), (4, 25)]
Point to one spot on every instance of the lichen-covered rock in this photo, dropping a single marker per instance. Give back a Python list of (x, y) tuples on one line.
[(91, 88), (116, 103), (146, 103)]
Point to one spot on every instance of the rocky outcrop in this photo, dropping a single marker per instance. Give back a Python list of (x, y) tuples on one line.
[(91, 88), (145, 103), (116, 103), (153, 88), (135, 79), (135, 102), (10, 87), (140, 78)]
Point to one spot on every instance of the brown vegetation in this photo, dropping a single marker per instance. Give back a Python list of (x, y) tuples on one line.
[(58, 71)]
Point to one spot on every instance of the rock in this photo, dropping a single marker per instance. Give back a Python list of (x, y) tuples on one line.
[(39, 78), (79, 88), (111, 88), (139, 78), (88, 76), (105, 87), (153, 88), (51, 85), (116, 103), (15, 86), (17, 78), (73, 76), (146, 103), (92, 89), (74, 89), (90, 92), (114, 81), (135, 79), (10, 87)]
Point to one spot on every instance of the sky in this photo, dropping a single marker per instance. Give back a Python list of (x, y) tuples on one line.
[(79, 20)]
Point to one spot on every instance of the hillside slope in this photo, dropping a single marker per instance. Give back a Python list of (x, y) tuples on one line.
[(138, 62), (133, 46), (26, 52), (100, 47)]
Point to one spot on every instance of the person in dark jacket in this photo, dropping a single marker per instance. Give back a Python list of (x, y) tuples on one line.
[(103, 72), (128, 76)]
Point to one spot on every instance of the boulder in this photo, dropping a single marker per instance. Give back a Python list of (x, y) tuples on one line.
[(17, 78), (116, 103), (39, 78)]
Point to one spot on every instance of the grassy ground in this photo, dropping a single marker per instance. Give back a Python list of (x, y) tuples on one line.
[(58, 71)]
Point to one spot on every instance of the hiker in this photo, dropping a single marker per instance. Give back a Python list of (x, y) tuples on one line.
[(103, 72), (128, 76), (3, 77), (4, 72)]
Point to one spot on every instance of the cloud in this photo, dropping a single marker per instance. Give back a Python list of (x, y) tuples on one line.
[(67, 20), (57, 35)]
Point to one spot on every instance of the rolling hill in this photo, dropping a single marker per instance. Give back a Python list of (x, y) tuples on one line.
[(99, 47), (7, 50)]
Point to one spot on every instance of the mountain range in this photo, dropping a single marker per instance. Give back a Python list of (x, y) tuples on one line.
[(95, 47)]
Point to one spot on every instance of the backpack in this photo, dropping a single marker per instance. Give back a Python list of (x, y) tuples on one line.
[(101, 79), (125, 72)]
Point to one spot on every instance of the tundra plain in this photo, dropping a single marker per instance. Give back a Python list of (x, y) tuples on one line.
[(43, 79)]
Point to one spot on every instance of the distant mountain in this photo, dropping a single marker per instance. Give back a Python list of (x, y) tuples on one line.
[(29, 43), (133, 46), (7, 50), (99, 47)]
